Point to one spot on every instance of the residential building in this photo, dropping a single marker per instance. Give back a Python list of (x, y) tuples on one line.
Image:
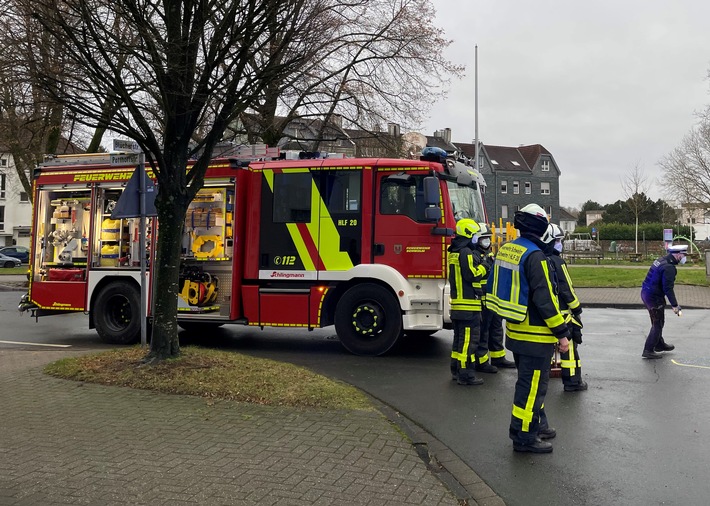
[(15, 206), (567, 221), (593, 215), (516, 177)]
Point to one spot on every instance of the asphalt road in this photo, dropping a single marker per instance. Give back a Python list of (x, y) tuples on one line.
[(639, 436)]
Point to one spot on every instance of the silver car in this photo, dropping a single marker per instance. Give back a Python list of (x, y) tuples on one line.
[(6, 261)]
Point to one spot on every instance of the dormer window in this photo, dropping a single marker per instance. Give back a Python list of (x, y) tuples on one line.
[(515, 163), (545, 165)]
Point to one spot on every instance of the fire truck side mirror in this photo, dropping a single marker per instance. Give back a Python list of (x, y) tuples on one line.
[(431, 191)]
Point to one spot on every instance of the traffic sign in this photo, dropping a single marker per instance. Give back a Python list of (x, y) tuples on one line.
[(126, 145), (125, 158)]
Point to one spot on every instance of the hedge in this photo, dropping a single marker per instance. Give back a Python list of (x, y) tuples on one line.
[(624, 232)]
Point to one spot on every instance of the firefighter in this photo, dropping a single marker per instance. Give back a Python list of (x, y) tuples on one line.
[(570, 308), (658, 286), (521, 291), (491, 342), (465, 274)]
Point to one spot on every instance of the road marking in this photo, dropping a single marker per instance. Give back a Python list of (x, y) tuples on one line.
[(690, 365), (37, 344)]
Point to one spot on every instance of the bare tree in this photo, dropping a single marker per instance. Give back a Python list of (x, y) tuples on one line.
[(635, 186), (686, 169), (378, 63), (176, 70)]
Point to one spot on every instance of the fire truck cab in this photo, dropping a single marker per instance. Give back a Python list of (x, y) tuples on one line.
[(355, 243)]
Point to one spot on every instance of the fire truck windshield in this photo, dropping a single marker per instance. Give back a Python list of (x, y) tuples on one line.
[(466, 202)]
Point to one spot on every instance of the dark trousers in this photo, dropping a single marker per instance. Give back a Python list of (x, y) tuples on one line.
[(491, 336), (466, 336), (528, 415), (571, 365), (657, 312)]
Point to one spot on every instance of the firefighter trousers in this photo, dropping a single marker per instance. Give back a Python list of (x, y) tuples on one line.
[(466, 336), (491, 336), (657, 312), (571, 365), (528, 415)]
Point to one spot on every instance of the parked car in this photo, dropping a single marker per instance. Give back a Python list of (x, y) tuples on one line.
[(6, 261), (17, 252)]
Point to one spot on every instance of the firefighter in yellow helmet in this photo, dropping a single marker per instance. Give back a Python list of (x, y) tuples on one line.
[(466, 272), (521, 291)]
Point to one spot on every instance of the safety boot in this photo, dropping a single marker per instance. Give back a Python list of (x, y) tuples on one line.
[(546, 433), (576, 387), (503, 362), (487, 368), (467, 380), (538, 446), (651, 354)]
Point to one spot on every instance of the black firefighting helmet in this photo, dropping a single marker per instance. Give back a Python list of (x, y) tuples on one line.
[(531, 218)]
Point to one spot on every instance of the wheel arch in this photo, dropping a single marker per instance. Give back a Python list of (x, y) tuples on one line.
[(334, 295)]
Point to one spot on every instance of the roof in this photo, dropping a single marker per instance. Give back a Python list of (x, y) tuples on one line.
[(532, 153), (566, 216), (507, 158)]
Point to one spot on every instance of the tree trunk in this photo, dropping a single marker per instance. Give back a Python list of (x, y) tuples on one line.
[(164, 342)]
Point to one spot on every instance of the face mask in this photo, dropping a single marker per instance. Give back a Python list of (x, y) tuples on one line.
[(682, 260), (558, 247), (485, 243)]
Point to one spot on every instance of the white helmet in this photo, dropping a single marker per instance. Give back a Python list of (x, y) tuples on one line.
[(552, 233)]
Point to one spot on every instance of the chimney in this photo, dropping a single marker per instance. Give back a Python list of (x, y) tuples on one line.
[(393, 129)]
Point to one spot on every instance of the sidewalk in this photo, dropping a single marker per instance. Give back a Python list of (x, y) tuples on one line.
[(689, 297), (65, 442)]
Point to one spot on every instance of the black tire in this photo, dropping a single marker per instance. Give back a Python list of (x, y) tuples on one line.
[(420, 334), (368, 320), (9, 265), (199, 326), (117, 313)]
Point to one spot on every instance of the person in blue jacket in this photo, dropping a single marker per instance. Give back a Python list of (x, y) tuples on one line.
[(658, 286)]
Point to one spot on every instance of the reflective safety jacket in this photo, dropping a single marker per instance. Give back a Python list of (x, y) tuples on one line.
[(520, 290), (569, 303), (466, 272)]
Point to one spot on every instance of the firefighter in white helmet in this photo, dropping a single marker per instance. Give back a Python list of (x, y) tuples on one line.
[(521, 291), (466, 272), (570, 307)]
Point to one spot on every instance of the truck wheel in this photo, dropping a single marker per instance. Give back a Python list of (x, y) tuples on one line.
[(117, 313), (368, 320)]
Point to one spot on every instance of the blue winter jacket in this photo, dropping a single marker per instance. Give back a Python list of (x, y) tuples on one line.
[(660, 280)]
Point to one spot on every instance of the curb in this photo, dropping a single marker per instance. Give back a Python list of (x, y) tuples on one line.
[(462, 481)]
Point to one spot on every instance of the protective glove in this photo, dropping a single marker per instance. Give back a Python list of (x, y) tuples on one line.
[(677, 310)]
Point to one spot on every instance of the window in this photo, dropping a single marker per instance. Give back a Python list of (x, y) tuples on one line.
[(545, 165), (504, 186), (292, 197), (2, 186), (480, 161), (517, 208), (545, 188), (548, 210), (341, 191), (3, 162), (504, 212), (399, 196), (516, 188), (528, 188), (24, 197), (515, 163), (2, 217)]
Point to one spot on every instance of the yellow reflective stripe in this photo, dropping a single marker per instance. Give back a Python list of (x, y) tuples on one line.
[(575, 301), (498, 354), (468, 305), (525, 414), (326, 236), (553, 297), (515, 287), (532, 333), (555, 321), (481, 360), (293, 228), (505, 308), (464, 351)]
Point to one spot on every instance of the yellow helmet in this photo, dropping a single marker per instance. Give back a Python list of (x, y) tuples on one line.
[(467, 228)]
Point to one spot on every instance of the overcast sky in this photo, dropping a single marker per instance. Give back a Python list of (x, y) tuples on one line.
[(603, 85)]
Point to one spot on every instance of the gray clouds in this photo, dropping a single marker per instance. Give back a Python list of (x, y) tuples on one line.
[(603, 85)]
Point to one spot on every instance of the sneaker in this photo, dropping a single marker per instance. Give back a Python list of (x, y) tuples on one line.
[(503, 362), (664, 347), (487, 368), (576, 387), (546, 433), (539, 446), (462, 380), (651, 354)]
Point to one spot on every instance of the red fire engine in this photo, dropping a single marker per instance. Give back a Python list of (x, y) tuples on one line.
[(355, 243)]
